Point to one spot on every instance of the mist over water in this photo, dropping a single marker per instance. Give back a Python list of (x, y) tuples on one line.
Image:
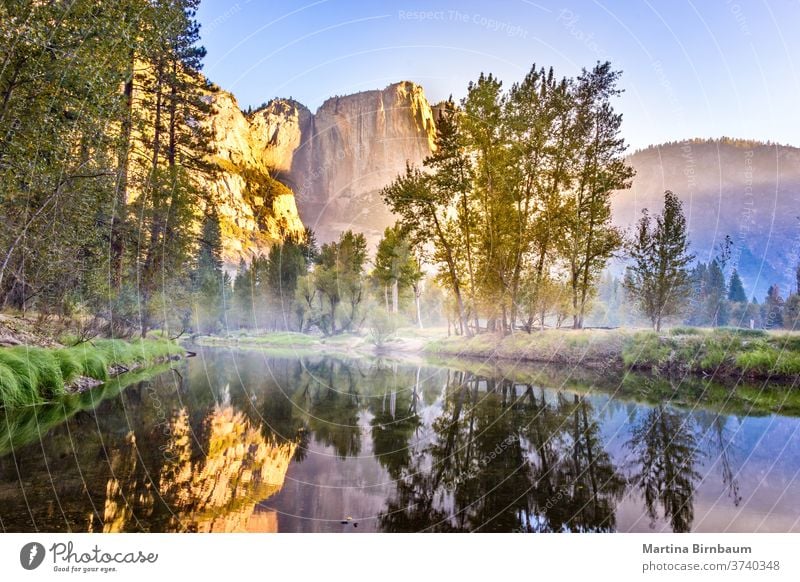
[(251, 441)]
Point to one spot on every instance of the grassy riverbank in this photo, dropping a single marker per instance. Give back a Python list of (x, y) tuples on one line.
[(406, 340), (32, 375), (716, 352), (752, 398)]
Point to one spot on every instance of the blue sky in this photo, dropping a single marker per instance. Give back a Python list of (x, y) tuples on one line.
[(702, 68)]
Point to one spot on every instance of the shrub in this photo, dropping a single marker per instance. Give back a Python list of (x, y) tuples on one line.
[(382, 326), (683, 330)]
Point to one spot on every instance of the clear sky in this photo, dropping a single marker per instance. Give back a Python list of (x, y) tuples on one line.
[(701, 68)]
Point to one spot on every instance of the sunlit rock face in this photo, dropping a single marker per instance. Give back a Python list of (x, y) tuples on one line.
[(215, 487), (338, 160), (255, 209), (333, 164)]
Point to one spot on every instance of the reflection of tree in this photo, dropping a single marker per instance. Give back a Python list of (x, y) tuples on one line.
[(333, 403), (503, 459), (719, 438), (577, 485), (491, 490), (393, 424), (723, 442), (665, 449)]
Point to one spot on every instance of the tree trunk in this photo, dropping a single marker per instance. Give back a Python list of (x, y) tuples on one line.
[(121, 202), (417, 293), (395, 296), (173, 120)]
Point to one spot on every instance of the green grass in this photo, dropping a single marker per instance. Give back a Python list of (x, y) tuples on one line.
[(681, 330), (273, 339), (70, 364), (32, 375), (20, 386), (26, 424), (721, 351)]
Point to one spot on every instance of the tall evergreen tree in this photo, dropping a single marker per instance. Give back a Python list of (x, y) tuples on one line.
[(736, 289), (212, 286), (772, 309), (715, 294), (658, 279)]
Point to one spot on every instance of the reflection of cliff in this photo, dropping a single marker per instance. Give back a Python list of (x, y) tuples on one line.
[(123, 490), (219, 491), (216, 490)]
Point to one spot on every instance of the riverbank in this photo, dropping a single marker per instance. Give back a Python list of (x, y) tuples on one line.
[(724, 352), (406, 341), (34, 375)]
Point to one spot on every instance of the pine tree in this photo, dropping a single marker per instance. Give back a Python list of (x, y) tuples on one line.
[(736, 289), (286, 263), (659, 280), (772, 310), (212, 286), (715, 293)]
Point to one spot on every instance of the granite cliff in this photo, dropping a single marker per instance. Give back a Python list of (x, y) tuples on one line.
[(283, 167), (255, 209), (337, 160)]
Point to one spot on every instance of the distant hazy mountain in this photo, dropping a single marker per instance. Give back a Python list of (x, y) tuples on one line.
[(748, 190)]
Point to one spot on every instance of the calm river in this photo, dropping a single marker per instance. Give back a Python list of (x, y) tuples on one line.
[(259, 441)]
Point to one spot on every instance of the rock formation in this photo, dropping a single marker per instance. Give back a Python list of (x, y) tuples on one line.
[(337, 160), (255, 209), (333, 164)]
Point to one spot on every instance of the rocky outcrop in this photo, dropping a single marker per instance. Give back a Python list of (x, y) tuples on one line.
[(282, 167), (338, 160), (255, 209)]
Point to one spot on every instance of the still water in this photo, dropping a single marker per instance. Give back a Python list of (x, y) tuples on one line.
[(258, 441)]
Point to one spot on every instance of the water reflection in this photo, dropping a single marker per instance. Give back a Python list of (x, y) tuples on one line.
[(250, 442), (505, 458), (664, 449)]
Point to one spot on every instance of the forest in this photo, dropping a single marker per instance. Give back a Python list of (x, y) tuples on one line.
[(505, 228)]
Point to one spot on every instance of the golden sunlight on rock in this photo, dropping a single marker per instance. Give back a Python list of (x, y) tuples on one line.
[(219, 491)]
